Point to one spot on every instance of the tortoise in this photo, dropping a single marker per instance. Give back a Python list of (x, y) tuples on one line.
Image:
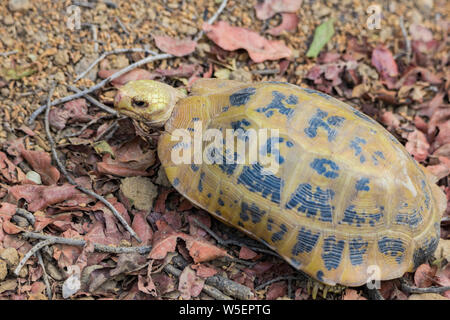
[(347, 199)]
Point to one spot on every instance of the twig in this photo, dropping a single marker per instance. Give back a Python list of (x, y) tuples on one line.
[(227, 286), (266, 71), (212, 19), (27, 215), (71, 181), (282, 278), (84, 4), (98, 85), (104, 55), (87, 125), (122, 25), (94, 101), (208, 289), (45, 276), (410, 289), (8, 53), (407, 41), (81, 243), (33, 250)]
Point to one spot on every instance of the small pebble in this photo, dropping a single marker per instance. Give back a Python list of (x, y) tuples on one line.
[(17, 5), (34, 176)]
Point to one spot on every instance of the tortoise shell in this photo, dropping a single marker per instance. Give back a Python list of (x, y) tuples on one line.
[(347, 204)]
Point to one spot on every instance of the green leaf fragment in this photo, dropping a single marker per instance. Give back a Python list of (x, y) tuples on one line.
[(322, 35), (102, 147), (18, 72)]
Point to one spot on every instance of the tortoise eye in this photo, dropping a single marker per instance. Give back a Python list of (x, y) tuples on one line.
[(139, 104)]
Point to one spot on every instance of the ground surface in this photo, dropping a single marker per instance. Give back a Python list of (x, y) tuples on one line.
[(398, 74)]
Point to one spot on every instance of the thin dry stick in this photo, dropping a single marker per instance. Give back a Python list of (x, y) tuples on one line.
[(33, 250), (122, 25), (410, 289), (282, 278), (81, 243), (139, 63), (71, 181), (8, 53), (45, 276), (407, 41), (209, 290), (104, 55), (94, 101), (27, 215), (99, 85), (87, 125)]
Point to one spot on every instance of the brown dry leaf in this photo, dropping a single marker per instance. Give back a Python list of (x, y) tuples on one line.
[(9, 171), (417, 145), (203, 270), (351, 294), (142, 228), (136, 74), (140, 191), (75, 110), (190, 285), (276, 290), (259, 48), (42, 163), (383, 61), (423, 275), (176, 47), (247, 254), (40, 197), (202, 251), (289, 23), (266, 9), (164, 241)]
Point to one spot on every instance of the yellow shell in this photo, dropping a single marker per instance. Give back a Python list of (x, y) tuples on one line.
[(348, 203)]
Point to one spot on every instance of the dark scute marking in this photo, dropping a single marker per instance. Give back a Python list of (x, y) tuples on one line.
[(195, 119), (362, 184), (277, 105), (290, 144), (325, 167), (426, 193), (218, 213), (229, 163), (200, 182), (392, 247), (270, 148), (176, 182), (242, 96), (318, 121), (269, 224), (266, 184), (277, 236), (332, 252), (252, 211), (311, 203), (220, 202), (209, 195), (194, 167), (319, 275), (359, 217), (358, 247), (413, 219), (423, 253), (306, 241), (292, 99)]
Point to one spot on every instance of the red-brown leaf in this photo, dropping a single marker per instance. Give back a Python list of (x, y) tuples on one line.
[(247, 254), (190, 285), (42, 163), (202, 251), (136, 74), (204, 271), (142, 228), (276, 290), (289, 23), (75, 110), (177, 47), (418, 145), (232, 38), (424, 274)]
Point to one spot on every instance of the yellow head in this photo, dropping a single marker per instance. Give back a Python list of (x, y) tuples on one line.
[(146, 100)]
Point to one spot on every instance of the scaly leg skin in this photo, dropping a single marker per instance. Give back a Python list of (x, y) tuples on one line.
[(313, 286)]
